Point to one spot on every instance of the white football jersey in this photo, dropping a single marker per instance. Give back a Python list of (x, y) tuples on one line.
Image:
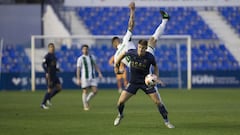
[(87, 65), (124, 47)]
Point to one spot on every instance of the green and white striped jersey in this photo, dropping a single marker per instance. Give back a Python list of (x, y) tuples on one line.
[(87, 65)]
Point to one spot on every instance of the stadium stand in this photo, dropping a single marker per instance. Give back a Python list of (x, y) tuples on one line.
[(231, 14), (204, 57), (112, 21), (15, 59)]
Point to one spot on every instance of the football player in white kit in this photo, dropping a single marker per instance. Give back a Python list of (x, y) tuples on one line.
[(86, 76), (127, 44)]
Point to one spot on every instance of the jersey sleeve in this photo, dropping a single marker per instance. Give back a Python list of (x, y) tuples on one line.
[(127, 37), (79, 63)]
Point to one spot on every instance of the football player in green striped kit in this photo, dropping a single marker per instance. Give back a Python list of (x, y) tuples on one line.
[(86, 76)]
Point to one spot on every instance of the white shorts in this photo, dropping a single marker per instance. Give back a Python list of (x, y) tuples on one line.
[(85, 83)]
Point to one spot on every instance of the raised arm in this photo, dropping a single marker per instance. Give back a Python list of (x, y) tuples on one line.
[(128, 34), (131, 18)]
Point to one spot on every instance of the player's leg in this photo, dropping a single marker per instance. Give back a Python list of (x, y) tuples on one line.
[(120, 105), (84, 99), (85, 84), (119, 83), (93, 84), (125, 95), (92, 93), (58, 88), (163, 111), (159, 31), (46, 97), (125, 81)]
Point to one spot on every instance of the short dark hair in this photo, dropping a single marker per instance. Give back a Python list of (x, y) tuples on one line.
[(85, 45), (51, 44), (115, 38), (143, 42)]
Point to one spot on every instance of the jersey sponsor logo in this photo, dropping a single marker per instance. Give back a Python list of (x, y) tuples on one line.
[(138, 65)]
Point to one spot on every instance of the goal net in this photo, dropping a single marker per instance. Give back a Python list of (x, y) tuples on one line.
[(173, 56)]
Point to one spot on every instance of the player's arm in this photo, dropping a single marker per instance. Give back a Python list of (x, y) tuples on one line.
[(128, 35), (45, 66), (96, 67), (111, 61), (118, 62), (98, 70), (156, 72), (131, 17), (57, 67), (78, 72)]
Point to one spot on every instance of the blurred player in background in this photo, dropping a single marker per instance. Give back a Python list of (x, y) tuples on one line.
[(53, 83), (140, 64), (86, 77), (121, 78)]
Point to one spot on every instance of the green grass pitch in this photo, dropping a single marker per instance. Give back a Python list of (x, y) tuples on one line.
[(196, 112)]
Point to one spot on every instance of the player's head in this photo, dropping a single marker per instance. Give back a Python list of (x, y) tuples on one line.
[(115, 41), (51, 48), (85, 49), (142, 47)]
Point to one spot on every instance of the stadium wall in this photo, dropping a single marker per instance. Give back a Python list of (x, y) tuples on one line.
[(200, 79)]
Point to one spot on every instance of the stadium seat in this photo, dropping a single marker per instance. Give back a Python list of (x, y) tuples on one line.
[(231, 15), (111, 21), (15, 59)]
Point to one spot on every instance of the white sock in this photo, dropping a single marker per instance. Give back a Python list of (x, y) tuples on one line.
[(84, 99), (90, 96), (160, 29)]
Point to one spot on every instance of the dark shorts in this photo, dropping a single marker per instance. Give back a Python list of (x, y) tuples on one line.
[(133, 88), (51, 83)]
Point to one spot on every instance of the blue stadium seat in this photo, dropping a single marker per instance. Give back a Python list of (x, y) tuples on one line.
[(15, 59), (231, 14), (110, 21)]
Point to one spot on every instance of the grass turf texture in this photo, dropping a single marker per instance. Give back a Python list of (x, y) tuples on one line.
[(196, 112)]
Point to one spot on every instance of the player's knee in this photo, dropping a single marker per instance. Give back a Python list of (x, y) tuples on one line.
[(95, 92), (157, 102), (49, 90), (84, 91), (59, 88)]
